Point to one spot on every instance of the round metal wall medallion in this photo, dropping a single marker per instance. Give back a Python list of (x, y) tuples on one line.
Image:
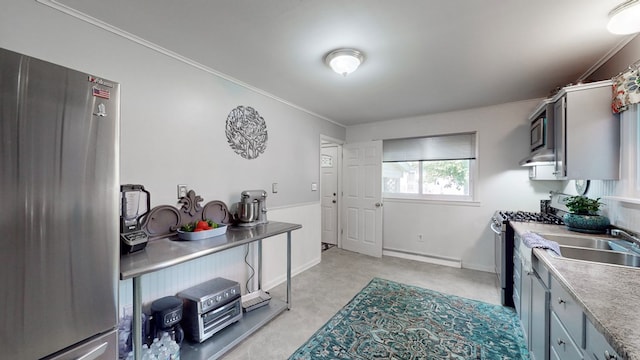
[(246, 132)]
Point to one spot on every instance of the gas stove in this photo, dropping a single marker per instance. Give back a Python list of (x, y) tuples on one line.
[(504, 243), (526, 216)]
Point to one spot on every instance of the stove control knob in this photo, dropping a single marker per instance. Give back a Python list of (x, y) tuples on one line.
[(233, 291), (209, 302), (218, 298), (226, 294)]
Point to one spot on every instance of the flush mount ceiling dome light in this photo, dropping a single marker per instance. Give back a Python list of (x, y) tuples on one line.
[(344, 61), (625, 18)]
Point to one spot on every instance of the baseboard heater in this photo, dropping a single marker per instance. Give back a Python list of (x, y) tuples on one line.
[(432, 259)]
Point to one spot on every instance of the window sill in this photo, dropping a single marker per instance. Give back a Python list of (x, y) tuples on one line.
[(433, 201)]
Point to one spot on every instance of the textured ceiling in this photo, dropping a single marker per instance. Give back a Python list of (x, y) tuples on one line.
[(422, 56)]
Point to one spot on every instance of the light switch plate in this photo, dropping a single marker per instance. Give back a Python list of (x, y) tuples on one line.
[(314, 187), (182, 191), (274, 188)]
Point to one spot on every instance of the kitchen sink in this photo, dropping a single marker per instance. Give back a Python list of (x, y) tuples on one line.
[(584, 242), (600, 255)]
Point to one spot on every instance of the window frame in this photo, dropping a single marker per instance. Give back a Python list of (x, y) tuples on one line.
[(440, 198)]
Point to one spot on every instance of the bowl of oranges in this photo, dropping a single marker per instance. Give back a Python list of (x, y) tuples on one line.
[(201, 229)]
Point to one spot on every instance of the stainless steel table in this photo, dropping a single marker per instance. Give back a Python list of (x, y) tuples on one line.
[(166, 252)]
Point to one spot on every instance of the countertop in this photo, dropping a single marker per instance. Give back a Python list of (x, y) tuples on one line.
[(609, 294), (166, 252)]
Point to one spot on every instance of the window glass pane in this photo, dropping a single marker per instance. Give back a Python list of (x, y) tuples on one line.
[(401, 177), (445, 177)]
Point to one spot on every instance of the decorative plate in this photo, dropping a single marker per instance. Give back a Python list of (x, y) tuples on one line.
[(162, 220), (217, 212), (582, 186)]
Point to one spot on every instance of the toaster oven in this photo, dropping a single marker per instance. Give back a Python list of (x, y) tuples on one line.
[(210, 307)]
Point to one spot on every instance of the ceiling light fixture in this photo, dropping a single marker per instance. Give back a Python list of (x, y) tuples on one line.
[(344, 61), (625, 18)]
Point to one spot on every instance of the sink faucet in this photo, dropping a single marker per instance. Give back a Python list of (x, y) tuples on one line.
[(625, 235)]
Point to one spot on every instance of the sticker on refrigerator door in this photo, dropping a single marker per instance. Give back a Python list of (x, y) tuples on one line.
[(102, 110), (99, 81), (101, 93)]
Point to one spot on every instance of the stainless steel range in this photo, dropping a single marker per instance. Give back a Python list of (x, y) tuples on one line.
[(504, 244)]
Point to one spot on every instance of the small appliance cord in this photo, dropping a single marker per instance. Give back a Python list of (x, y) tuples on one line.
[(246, 254)]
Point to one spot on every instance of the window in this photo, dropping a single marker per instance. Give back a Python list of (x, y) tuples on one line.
[(435, 167)]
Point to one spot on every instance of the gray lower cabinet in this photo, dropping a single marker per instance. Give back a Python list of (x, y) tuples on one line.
[(525, 304), (562, 342), (597, 347), (553, 322), (539, 324), (530, 297)]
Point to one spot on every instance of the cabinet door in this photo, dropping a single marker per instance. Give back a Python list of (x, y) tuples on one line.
[(559, 133), (539, 336), (597, 346), (525, 304), (517, 269)]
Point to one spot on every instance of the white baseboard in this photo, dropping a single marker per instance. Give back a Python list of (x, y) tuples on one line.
[(456, 263), (282, 279), (489, 269)]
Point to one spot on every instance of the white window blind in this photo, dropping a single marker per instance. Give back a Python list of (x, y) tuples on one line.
[(440, 147)]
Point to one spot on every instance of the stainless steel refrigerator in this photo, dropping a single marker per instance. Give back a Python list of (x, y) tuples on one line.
[(59, 194)]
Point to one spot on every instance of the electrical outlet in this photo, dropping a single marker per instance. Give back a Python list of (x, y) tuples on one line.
[(314, 187), (420, 239), (182, 191), (274, 188)]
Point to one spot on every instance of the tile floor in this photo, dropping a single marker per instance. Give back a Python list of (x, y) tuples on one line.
[(318, 293)]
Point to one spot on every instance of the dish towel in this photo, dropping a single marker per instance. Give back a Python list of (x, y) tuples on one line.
[(532, 240)]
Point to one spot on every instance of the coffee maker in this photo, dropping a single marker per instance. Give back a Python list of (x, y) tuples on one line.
[(135, 203), (252, 208), (166, 314)]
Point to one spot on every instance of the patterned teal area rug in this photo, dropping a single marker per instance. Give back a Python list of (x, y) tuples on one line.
[(389, 320)]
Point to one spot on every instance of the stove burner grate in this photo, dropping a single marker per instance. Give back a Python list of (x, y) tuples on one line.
[(526, 216)]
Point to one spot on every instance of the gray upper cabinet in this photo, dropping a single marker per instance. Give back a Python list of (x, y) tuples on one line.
[(586, 133)]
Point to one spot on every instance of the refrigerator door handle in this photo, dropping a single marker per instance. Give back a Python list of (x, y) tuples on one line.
[(95, 352)]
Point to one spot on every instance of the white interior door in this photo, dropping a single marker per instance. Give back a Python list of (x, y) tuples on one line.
[(329, 189), (362, 215)]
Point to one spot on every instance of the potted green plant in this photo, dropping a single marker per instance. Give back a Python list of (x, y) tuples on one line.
[(583, 216)]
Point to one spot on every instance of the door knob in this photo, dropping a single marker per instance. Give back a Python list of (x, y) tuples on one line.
[(334, 194), (378, 204), (333, 201)]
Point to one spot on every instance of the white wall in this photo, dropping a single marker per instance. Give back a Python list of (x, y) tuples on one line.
[(173, 131), (456, 231)]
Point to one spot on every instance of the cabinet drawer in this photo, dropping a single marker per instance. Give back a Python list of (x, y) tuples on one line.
[(541, 270), (568, 311), (563, 345), (597, 346)]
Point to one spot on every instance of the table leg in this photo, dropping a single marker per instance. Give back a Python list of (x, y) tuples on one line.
[(259, 264), (288, 270), (136, 322)]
